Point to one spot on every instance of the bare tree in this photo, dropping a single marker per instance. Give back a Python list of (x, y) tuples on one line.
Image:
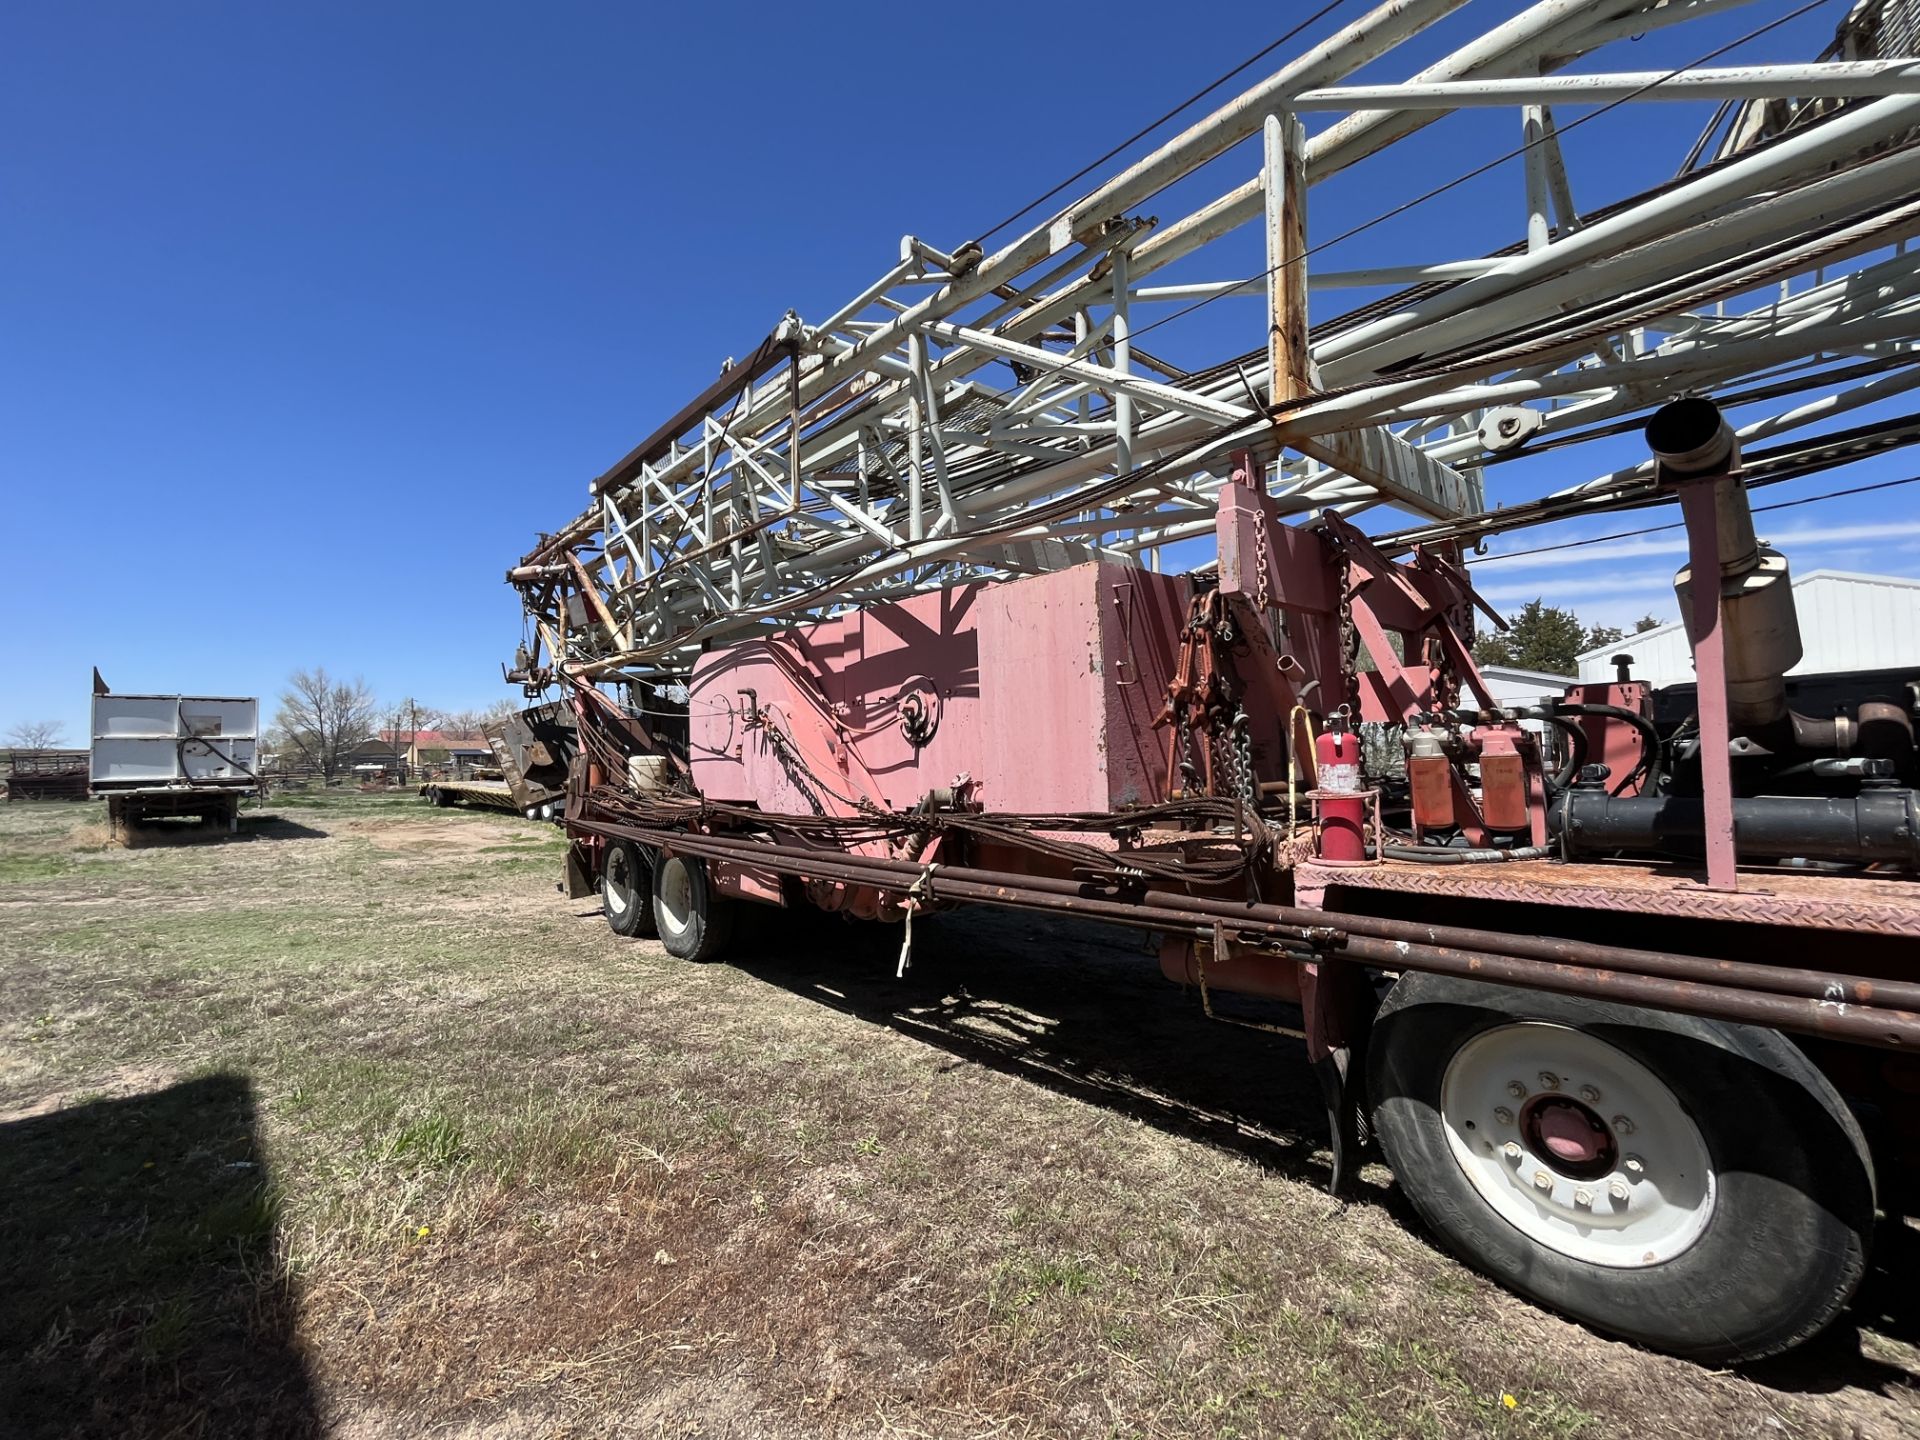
[(473, 721), (36, 735), (323, 719), (459, 722)]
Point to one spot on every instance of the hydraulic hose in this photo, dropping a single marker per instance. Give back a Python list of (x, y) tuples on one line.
[(1446, 855), (1650, 757), (1576, 753)]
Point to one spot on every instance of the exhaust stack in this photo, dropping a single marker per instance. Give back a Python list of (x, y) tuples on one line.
[(1692, 442)]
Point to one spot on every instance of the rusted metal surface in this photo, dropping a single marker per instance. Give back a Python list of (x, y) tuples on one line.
[(1300, 923), (534, 749), (1779, 897), (1709, 663), (1590, 971), (46, 775), (746, 882)]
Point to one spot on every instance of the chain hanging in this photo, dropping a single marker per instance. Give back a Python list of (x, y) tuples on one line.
[(1203, 702)]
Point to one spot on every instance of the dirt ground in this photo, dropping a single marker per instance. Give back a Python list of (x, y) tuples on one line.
[(351, 1125)]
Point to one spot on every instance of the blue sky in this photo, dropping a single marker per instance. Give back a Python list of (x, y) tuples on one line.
[(311, 317)]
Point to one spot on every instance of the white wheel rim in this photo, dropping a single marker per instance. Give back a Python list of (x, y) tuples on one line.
[(619, 884), (676, 896), (1577, 1145)]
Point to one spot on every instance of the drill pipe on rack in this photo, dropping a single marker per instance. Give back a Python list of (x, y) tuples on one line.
[(1855, 1008)]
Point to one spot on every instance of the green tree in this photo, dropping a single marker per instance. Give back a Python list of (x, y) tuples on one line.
[(1540, 637)]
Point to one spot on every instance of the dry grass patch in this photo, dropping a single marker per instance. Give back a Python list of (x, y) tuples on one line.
[(481, 1168)]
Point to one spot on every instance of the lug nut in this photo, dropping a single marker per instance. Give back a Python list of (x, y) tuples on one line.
[(1510, 1150), (1623, 1124), (1549, 1080), (1516, 1090), (1503, 1115), (1635, 1164), (1618, 1190), (1590, 1094), (1542, 1180), (1583, 1198)]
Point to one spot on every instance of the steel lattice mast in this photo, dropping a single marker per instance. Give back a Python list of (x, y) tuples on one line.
[(973, 415)]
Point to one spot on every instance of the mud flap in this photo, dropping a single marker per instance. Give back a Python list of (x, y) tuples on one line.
[(581, 869), (1346, 1124), (1339, 1004)]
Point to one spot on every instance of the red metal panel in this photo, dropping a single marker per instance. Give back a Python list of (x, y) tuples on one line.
[(1043, 693), (1037, 741), (1613, 743), (748, 882), (1140, 638)]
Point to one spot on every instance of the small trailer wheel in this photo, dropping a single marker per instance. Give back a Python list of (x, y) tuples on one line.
[(626, 890), (694, 923), (1695, 1186)]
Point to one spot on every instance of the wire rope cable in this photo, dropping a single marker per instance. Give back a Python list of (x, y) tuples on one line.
[(1152, 126)]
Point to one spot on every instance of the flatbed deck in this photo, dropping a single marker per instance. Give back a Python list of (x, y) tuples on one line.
[(487, 794), (1852, 903)]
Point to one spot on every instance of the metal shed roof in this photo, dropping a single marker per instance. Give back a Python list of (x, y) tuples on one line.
[(1848, 621)]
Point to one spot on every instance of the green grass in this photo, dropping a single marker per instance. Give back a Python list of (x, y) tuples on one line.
[(17, 868)]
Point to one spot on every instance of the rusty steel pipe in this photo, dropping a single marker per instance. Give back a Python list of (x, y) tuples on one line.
[(1661, 964), (1776, 979), (1860, 1023)]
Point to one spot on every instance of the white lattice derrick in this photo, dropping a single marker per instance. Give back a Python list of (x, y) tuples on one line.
[(974, 414)]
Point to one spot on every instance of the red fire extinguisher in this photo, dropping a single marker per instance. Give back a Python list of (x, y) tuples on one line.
[(1343, 812)]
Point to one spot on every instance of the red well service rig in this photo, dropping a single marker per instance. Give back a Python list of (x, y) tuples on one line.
[(1622, 982)]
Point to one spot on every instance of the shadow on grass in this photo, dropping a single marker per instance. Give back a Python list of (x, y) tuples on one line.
[(1080, 1008), (277, 827), (143, 1294), (253, 827)]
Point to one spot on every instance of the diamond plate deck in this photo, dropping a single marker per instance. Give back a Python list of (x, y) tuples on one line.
[(1856, 904)]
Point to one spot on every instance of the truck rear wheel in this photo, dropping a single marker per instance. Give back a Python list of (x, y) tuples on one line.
[(626, 890), (693, 922), (1694, 1186)]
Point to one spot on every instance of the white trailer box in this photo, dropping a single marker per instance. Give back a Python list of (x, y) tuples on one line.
[(158, 742)]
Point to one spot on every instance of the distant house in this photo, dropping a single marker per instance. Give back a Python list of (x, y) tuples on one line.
[(376, 753), (435, 748)]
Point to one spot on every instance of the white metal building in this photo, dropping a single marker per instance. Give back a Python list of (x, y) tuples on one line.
[(1510, 685), (1847, 622)]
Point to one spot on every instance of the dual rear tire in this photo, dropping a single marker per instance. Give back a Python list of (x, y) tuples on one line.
[(1695, 1186), (670, 897)]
